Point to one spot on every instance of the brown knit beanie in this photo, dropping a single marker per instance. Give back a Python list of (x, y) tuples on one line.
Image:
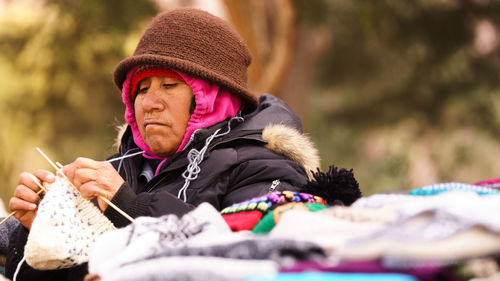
[(197, 43)]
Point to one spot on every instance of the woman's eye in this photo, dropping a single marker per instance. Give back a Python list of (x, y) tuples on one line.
[(142, 90), (169, 85)]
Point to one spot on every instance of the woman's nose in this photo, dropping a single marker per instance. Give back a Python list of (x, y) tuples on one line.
[(152, 101)]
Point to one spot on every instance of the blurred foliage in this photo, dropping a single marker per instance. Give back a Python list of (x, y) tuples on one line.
[(56, 89), (404, 92), (407, 91)]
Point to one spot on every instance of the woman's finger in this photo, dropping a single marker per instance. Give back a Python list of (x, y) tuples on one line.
[(109, 179), (82, 162), (24, 193), (44, 176), (17, 204), (71, 169), (25, 217), (84, 175), (25, 179), (89, 190)]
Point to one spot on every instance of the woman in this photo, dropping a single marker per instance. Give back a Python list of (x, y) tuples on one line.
[(194, 134)]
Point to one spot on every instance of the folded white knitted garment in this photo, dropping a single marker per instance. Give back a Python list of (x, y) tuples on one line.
[(65, 228)]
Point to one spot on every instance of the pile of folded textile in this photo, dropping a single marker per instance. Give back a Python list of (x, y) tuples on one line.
[(447, 231)]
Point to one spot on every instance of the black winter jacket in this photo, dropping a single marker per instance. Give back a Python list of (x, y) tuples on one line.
[(248, 157)]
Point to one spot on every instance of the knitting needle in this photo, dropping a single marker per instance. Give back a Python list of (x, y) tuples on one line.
[(58, 169), (106, 200), (38, 193), (42, 188), (8, 217), (48, 159), (103, 199)]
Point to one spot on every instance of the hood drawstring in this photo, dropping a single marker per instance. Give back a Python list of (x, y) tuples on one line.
[(195, 157)]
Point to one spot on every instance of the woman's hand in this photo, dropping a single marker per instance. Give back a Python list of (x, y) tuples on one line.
[(94, 179), (25, 200)]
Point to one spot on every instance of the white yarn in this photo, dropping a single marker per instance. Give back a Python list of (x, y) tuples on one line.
[(195, 157), (65, 228), (14, 278), (191, 173)]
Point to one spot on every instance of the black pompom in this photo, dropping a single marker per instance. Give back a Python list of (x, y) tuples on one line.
[(334, 186)]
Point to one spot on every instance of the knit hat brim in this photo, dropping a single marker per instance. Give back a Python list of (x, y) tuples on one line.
[(181, 65)]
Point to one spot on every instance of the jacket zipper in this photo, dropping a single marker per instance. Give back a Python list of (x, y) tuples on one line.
[(274, 184), (155, 185)]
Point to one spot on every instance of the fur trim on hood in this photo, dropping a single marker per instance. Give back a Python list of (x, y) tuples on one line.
[(291, 143), (120, 129)]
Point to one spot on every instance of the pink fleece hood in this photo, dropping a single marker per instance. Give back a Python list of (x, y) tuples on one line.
[(213, 104)]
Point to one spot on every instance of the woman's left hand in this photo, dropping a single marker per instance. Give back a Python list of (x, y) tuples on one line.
[(94, 179)]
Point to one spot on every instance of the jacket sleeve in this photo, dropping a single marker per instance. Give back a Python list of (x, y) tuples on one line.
[(155, 203)]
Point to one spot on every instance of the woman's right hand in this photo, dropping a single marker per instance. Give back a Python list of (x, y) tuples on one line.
[(25, 200)]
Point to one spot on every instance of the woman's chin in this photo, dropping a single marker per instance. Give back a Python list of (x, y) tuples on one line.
[(161, 153), (160, 149)]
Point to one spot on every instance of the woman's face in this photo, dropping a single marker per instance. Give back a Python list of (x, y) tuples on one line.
[(162, 111)]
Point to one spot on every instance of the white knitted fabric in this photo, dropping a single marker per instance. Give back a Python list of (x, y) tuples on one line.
[(65, 228)]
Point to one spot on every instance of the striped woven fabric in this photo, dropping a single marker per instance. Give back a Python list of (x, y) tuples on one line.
[(452, 186)]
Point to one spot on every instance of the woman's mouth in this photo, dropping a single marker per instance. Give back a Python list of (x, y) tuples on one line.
[(147, 123)]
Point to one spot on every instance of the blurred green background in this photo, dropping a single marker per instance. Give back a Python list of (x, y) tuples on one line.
[(404, 92)]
